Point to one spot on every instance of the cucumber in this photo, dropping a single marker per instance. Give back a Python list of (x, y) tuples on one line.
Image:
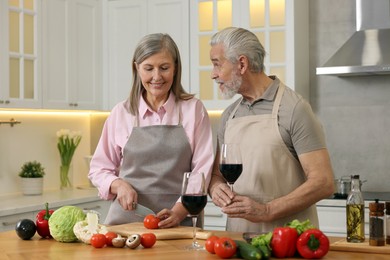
[(247, 251), (265, 251)]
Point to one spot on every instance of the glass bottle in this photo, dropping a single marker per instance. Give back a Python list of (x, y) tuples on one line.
[(355, 212), (388, 222), (377, 224)]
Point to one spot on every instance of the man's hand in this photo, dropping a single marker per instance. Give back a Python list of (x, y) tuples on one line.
[(245, 207), (222, 195)]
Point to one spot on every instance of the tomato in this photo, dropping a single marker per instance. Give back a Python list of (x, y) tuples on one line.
[(98, 240), (148, 240), (109, 236), (225, 247), (209, 245), (151, 221)]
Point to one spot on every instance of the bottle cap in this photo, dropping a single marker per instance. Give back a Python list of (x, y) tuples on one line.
[(355, 176), (376, 206)]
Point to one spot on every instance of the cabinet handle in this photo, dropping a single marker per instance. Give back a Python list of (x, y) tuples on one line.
[(214, 215), (92, 208), (10, 223)]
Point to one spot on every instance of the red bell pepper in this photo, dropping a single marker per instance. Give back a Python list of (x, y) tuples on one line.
[(313, 243), (42, 221), (283, 242)]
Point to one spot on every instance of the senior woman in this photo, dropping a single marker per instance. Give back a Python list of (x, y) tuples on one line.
[(150, 139)]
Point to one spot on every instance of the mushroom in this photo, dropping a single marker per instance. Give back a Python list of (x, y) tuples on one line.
[(118, 241), (133, 241)]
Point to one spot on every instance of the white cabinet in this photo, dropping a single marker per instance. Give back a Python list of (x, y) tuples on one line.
[(72, 54), (214, 219), (127, 22), (281, 26), (8, 222), (332, 218), (20, 49)]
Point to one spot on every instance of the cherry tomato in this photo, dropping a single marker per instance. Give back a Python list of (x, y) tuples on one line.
[(209, 245), (151, 221), (225, 247), (109, 236), (98, 240), (148, 240)]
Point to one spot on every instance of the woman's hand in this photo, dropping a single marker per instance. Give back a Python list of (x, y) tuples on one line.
[(125, 194), (172, 217)]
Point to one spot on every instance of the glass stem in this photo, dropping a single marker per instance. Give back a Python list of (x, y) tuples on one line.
[(194, 219)]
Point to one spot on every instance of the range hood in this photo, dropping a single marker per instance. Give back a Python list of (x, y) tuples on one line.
[(367, 51)]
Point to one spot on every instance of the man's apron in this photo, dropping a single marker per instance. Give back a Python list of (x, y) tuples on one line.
[(154, 161), (269, 169)]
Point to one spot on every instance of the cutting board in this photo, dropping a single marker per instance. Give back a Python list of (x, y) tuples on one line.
[(343, 245), (161, 234)]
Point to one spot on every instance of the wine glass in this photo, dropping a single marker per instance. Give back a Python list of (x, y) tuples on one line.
[(230, 163), (194, 199)]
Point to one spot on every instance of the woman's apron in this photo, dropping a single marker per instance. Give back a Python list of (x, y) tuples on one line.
[(269, 169), (154, 161)]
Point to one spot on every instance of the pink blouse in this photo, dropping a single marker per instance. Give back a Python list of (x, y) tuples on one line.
[(107, 159)]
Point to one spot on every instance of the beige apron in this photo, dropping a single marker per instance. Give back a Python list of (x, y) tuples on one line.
[(154, 161), (269, 169)]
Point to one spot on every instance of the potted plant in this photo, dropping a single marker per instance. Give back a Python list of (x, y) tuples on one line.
[(32, 178)]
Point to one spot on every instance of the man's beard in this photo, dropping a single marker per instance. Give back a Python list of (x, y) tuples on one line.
[(231, 87)]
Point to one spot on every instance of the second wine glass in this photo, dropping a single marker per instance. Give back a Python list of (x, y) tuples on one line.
[(194, 199), (230, 163)]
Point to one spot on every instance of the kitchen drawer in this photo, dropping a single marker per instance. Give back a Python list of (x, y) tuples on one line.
[(214, 219), (333, 221), (9, 222), (100, 206)]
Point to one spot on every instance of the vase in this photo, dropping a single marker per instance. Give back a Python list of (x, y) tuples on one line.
[(65, 182), (32, 186)]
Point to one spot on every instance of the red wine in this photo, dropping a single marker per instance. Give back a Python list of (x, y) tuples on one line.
[(230, 172), (194, 203)]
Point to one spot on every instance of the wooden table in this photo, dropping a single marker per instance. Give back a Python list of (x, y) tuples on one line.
[(12, 247)]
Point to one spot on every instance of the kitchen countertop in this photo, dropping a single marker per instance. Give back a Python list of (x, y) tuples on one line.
[(12, 247), (18, 203)]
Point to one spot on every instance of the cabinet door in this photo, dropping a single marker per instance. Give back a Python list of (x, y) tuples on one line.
[(126, 25), (72, 54), (281, 26), (172, 17), (20, 85), (128, 21)]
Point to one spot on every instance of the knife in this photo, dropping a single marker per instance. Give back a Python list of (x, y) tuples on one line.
[(143, 211)]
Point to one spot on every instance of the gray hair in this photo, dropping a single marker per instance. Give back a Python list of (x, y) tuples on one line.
[(149, 45), (239, 41)]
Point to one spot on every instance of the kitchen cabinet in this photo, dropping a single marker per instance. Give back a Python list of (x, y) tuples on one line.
[(19, 54), (214, 219), (281, 26), (332, 217), (72, 54), (127, 22), (17, 206)]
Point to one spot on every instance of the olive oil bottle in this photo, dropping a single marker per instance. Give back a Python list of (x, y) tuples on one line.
[(355, 212)]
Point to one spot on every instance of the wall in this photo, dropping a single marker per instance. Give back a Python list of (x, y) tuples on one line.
[(355, 111), (35, 139)]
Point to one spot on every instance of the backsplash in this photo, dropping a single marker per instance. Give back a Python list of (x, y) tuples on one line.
[(35, 139)]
